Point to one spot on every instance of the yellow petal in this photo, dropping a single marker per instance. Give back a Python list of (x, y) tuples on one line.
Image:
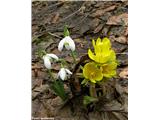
[(91, 72), (112, 56), (110, 74), (93, 81), (98, 75), (98, 42), (109, 70), (91, 55), (93, 43), (106, 42)]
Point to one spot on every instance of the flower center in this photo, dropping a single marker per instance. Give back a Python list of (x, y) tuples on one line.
[(66, 44)]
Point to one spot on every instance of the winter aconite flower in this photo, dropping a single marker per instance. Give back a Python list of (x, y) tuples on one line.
[(109, 70), (102, 51), (47, 60), (92, 72), (68, 43), (104, 62), (63, 73)]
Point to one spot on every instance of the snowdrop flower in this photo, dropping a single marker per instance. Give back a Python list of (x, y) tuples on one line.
[(47, 60), (63, 73), (68, 43)]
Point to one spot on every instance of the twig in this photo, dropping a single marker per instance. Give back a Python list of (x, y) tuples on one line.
[(81, 8), (54, 35)]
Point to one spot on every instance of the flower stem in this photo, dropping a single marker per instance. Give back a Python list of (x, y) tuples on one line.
[(73, 56), (92, 90), (103, 85), (63, 62), (104, 89), (50, 73)]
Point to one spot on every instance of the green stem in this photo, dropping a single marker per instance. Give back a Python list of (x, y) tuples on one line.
[(92, 90), (50, 73), (73, 56), (63, 62)]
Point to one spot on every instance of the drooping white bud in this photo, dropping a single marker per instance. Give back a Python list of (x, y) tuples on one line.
[(63, 73), (68, 43), (47, 60)]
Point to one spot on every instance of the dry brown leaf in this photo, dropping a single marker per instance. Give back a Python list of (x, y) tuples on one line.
[(95, 22), (124, 73), (102, 11), (121, 39), (69, 59), (126, 32), (55, 18), (121, 19), (98, 28)]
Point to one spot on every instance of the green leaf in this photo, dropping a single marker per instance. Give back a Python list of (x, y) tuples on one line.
[(85, 81), (66, 32), (81, 67), (58, 88), (88, 99)]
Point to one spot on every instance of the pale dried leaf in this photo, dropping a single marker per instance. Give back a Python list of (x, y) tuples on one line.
[(121, 19), (124, 73), (102, 11)]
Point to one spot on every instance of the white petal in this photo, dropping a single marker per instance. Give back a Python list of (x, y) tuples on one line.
[(47, 62), (53, 56), (71, 43), (62, 74), (61, 44), (68, 71)]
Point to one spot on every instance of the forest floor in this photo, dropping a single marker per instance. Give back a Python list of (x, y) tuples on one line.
[(86, 20)]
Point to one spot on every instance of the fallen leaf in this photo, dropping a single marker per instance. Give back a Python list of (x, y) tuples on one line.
[(94, 23), (55, 18), (119, 88), (121, 39), (124, 73), (102, 11), (69, 59), (41, 88), (98, 28), (126, 31), (118, 47), (84, 28), (121, 19)]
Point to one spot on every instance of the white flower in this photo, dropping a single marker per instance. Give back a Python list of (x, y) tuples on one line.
[(47, 60), (68, 43), (63, 73)]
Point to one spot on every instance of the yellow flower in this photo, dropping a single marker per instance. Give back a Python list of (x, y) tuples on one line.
[(102, 50), (109, 70), (91, 72)]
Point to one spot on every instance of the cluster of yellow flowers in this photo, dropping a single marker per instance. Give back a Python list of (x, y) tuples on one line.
[(104, 62)]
